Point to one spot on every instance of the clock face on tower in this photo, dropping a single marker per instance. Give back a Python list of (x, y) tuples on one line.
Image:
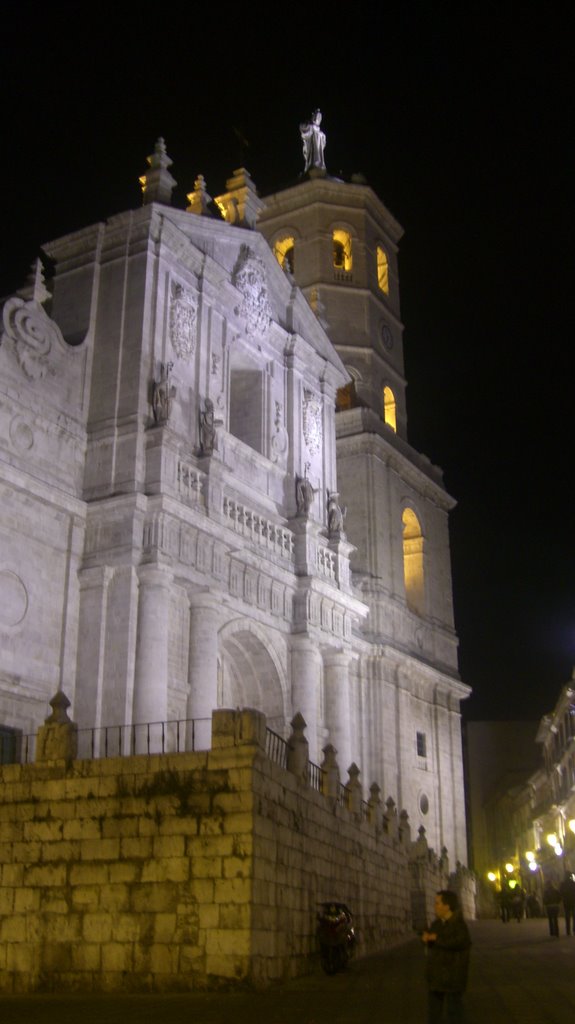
[(387, 338)]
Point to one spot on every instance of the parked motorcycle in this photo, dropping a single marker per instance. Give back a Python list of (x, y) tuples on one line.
[(336, 936)]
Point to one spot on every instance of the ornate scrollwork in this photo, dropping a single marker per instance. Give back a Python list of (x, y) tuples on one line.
[(183, 318), (33, 333), (312, 429), (250, 280)]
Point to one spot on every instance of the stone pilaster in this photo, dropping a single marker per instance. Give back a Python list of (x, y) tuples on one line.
[(305, 684), (151, 677), (337, 705), (202, 667)]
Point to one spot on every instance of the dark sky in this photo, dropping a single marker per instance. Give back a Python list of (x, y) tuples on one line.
[(461, 117)]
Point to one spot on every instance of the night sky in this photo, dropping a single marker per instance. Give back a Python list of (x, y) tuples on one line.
[(462, 121)]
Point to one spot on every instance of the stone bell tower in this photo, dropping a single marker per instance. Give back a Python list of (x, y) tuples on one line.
[(340, 244)]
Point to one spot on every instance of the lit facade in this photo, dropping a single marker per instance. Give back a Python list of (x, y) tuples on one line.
[(187, 522)]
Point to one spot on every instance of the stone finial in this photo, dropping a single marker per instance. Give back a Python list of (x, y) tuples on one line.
[(240, 204), (354, 790), (374, 804), (330, 772), (404, 828), (199, 199), (298, 748), (35, 287), (390, 817), (157, 183), (57, 739)]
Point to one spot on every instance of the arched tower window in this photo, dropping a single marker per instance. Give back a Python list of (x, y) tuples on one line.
[(382, 270), (342, 258), (284, 251), (413, 561), (389, 408)]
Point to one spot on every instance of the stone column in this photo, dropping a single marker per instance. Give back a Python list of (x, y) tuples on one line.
[(337, 706), (151, 676), (305, 685), (202, 668)]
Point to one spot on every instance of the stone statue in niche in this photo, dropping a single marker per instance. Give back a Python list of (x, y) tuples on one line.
[(207, 428), (163, 391), (313, 140), (304, 493), (335, 516)]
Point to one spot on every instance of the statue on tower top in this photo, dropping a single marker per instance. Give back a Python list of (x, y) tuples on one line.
[(313, 140)]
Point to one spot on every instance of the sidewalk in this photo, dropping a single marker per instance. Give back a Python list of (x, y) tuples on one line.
[(519, 975)]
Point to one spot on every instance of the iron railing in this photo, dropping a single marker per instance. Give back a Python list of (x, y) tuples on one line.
[(171, 737)]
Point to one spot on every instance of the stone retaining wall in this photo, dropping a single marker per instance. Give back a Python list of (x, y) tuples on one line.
[(177, 871)]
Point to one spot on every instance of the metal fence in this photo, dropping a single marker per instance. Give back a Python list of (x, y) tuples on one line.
[(172, 737)]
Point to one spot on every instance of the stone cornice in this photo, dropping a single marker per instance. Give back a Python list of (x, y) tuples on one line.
[(361, 432)]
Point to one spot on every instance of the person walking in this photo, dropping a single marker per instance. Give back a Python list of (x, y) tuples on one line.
[(447, 944), (567, 892), (552, 903)]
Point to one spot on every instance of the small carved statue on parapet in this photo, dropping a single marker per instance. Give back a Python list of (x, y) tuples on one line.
[(162, 393), (313, 140), (304, 493), (335, 516), (207, 428)]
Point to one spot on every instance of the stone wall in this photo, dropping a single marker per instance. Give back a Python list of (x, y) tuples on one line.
[(176, 871)]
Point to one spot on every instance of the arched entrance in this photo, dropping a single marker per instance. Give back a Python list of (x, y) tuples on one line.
[(251, 673)]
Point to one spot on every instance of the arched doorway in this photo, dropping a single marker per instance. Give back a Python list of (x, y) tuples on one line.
[(251, 673)]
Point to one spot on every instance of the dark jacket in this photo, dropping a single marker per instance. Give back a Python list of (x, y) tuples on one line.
[(448, 956), (567, 890)]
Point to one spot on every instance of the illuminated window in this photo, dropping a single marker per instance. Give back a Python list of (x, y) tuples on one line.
[(382, 270), (389, 408), (284, 252), (342, 250), (413, 561)]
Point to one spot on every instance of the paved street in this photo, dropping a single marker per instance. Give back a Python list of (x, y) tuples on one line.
[(518, 974)]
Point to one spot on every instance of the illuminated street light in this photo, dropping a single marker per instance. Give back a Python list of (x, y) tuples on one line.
[(552, 839), (509, 868), (558, 849), (492, 876), (533, 865), (529, 856)]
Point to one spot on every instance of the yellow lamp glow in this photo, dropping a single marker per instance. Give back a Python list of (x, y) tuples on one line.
[(509, 868), (552, 839), (530, 856), (571, 824), (491, 876)]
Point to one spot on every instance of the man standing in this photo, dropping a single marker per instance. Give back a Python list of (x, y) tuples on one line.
[(567, 890), (447, 943)]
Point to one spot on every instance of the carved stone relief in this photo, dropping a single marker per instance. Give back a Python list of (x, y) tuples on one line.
[(312, 429), (250, 281), (33, 333), (183, 318), (13, 599), (280, 439)]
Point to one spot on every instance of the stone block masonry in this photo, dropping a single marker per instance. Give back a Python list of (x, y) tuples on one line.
[(178, 871)]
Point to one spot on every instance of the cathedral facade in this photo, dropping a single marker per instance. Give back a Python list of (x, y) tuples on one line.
[(208, 495)]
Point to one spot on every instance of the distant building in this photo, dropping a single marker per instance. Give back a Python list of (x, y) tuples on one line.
[(554, 811), (208, 495)]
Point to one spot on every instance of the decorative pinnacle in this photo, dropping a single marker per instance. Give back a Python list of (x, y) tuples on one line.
[(157, 183)]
